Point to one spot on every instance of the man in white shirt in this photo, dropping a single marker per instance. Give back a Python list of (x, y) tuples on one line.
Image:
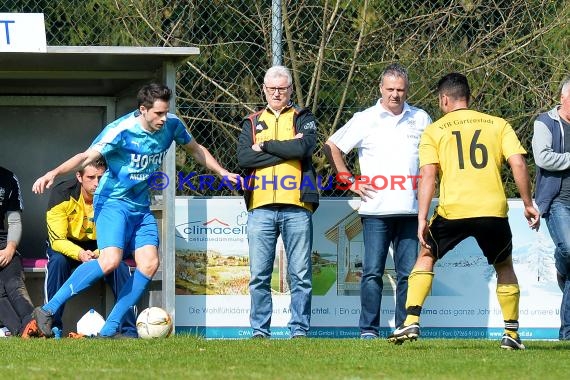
[(386, 136)]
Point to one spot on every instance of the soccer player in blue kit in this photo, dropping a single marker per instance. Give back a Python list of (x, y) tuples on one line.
[(134, 147)]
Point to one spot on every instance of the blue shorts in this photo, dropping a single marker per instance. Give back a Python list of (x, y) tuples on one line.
[(118, 225)]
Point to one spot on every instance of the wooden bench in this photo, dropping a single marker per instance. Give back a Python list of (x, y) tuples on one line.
[(34, 265), (99, 296), (39, 265)]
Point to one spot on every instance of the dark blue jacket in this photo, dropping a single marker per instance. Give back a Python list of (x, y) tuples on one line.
[(550, 158)]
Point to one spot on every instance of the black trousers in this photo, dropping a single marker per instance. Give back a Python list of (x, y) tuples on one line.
[(15, 304)]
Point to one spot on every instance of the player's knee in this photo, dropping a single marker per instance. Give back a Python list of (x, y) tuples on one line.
[(148, 265), (426, 260), (426, 253), (109, 263)]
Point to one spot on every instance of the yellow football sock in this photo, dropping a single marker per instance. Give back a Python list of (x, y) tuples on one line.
[(508, 296), (419, 286)]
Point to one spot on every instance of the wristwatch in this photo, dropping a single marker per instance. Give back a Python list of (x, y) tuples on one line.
[(261, 145), (351, 180)]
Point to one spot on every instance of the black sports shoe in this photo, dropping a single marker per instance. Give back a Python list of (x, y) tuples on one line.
[(44, 321), (404, 333), (510, 343)]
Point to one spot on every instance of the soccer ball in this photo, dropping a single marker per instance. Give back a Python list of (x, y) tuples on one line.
[(154, 322)]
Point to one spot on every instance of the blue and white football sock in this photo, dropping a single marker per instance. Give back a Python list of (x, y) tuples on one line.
[(82, 278), (130, 294)]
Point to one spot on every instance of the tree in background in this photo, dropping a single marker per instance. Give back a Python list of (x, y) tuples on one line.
[(513, 51)]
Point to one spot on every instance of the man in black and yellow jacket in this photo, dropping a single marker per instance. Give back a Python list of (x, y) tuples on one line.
[(276, 147), (72, 238)]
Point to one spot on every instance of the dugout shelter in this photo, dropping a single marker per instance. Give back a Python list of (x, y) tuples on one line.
[(53, 104)]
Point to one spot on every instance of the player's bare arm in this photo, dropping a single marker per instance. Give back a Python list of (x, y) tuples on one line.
[(426, 191), (205, 158), (74, 164), (522, 180)]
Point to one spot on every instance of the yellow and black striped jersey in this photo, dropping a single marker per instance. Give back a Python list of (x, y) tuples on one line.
[(70, 223)]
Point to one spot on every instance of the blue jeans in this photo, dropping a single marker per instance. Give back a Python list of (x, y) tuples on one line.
[(379, 233), (558, 223), (295, 226)]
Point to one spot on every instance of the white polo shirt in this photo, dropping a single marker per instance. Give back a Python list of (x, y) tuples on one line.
[(388, 155)]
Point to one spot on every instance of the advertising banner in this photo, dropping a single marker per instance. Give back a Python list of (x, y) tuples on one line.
[(212, 275)]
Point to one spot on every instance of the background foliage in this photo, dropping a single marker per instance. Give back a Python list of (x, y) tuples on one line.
[(514, 52)]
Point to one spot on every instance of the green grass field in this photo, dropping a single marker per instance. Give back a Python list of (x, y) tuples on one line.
[(185, 357)]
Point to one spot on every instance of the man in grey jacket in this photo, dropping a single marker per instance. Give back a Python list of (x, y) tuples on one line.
[(551, 149)]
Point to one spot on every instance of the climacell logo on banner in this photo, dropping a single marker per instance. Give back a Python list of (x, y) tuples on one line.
[(22, 33)]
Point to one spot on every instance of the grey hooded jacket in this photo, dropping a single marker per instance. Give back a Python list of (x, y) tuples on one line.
[(550, 158)]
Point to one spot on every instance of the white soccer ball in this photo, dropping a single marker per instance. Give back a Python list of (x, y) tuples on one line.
[(154, 322)]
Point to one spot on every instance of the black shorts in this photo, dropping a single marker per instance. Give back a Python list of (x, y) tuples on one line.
[(493, 234)]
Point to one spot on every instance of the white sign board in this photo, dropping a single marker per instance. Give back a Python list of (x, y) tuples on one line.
[(22, 32), (212, 275)]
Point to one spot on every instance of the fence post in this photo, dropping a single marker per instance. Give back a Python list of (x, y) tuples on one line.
[(276, 33)]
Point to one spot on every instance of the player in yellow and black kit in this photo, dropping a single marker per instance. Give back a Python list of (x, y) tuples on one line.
[(72, 238), (465, 150)]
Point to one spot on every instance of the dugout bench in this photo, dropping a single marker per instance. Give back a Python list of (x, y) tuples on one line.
[(98, 297), (53, 104)]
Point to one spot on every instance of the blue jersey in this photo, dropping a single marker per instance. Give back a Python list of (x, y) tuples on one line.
[(133, 154)]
